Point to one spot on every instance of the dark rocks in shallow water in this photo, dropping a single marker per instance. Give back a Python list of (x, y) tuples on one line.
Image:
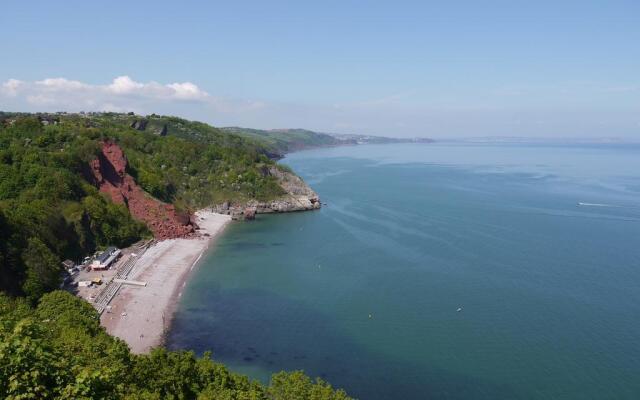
[(250, 213), (248, 359)]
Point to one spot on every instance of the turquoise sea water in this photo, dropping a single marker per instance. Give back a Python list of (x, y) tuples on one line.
[(365, 292)]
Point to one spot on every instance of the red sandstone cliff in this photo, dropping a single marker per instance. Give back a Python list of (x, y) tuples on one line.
[(108, 172)]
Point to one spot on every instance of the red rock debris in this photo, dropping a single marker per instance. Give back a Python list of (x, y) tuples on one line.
[(108, 171)]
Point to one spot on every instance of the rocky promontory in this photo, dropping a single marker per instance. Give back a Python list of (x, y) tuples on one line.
[(298, 197), (108, 172)]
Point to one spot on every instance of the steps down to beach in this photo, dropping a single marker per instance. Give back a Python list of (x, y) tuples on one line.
[(112, 287)]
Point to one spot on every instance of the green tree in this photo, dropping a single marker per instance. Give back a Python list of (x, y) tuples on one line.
[(42, 270), (296, 385), (27, 364)]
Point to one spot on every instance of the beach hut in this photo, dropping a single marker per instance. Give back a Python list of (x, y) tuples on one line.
[(105, 259), (69, 266)]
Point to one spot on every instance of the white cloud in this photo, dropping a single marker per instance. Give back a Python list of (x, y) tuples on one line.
[(187, 91), (61, 84), (40, 99), (124, 85), (123, 93), (11, 87)]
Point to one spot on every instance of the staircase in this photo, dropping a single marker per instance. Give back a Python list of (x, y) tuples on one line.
[(111, 289)]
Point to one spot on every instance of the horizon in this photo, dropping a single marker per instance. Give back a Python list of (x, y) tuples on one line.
[(505, 139), (543, 71)]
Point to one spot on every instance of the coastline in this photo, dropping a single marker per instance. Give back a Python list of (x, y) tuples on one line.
[(141, 315)]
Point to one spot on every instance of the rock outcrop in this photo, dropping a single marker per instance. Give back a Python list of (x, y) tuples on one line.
[(145, 124), (108, 173), (299, 197), (139, 124)]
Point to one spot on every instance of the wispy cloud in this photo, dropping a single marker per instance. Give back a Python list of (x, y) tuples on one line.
[(122, 93), (11, 87)]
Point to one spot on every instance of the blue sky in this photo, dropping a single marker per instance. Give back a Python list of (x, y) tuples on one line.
[(441, 69)]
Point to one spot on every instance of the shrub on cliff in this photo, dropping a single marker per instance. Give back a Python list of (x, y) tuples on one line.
[(59, 350)]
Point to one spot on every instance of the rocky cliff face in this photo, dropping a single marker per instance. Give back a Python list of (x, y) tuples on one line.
[(108, 173), (299, 197)]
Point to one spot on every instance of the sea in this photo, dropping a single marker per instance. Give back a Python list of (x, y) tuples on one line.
[(436, 271)]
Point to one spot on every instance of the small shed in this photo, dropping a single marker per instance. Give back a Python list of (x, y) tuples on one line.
[(106, 258)]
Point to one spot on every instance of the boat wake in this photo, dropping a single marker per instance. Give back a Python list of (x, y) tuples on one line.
[(596, 205)]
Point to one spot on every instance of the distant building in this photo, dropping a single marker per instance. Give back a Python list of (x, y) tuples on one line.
[(105, 259), (68, 264)]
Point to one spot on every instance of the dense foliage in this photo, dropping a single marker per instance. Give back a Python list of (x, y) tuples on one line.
[(49, 211), (58, 350), (189, 163)]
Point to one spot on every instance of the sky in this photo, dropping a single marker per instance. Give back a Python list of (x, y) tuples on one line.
[(395, 68)]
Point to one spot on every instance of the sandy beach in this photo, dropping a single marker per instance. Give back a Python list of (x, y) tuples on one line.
[(141, 315)]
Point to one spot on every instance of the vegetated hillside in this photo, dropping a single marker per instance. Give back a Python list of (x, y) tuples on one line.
[(282, 141), (58, 350), (370, 139), (50, 208)]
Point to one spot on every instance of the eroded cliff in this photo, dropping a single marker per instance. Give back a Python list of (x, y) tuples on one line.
[(108, 173)]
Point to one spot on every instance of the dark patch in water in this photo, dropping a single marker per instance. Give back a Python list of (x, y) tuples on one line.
[(243, 246), (240, 314), (196, 309)]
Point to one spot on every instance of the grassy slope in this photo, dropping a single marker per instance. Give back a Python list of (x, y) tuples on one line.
[(286, 140)]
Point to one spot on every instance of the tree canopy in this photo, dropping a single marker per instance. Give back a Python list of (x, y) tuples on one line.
[(58, 350), (47, 205)]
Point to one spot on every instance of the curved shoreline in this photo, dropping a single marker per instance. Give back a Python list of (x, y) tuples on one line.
[(141, 316)]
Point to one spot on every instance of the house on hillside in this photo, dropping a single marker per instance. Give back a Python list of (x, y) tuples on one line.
[(68, 265), (105, 259)]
